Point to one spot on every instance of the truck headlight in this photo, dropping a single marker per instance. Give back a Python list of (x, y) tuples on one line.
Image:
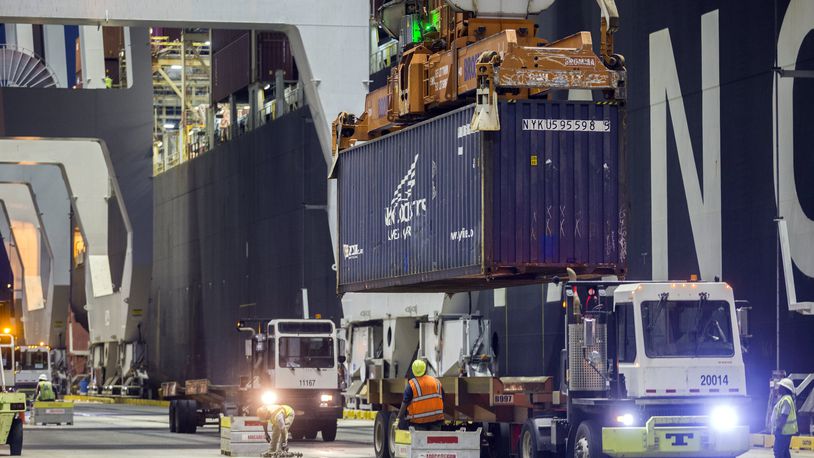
[(626, 419), (326, 398), (269, 397), (723, 418)]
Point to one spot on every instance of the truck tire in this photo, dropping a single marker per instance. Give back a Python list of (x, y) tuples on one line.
[(192, 416), (328, 432), (15, 437), (527, 448), (186, 413), (173, 428), (588, 440), (381, 434)]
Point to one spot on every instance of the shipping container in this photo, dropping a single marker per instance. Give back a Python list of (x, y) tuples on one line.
[(437, 207), (274, 53), (231, 66)]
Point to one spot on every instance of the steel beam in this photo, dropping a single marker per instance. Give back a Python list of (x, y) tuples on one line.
[(16, 263), (51, 197), (90, 180), (32, 245)]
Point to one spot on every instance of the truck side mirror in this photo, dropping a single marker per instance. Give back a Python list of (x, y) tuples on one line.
[(742, 314)]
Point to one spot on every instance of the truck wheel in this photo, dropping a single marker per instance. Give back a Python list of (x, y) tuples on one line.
[(381, 434), (310, 434), (328, 432), (587, 440), (528, 443), (192, 416), (178, 416), (172, 416), (15, 437)]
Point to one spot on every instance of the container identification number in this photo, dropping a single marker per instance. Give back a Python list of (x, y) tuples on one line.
[(714, 380), (567, 125)]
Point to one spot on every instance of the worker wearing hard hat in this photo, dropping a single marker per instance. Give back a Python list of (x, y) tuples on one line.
[(45, 391), (423, 400), (281, 417), (784, 418)]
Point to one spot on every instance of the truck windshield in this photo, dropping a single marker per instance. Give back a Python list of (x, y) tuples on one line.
[(6, 352), (687, 328), (33, 360), (313, 352)]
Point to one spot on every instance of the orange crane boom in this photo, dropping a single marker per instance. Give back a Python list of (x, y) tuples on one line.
[(450, 58)]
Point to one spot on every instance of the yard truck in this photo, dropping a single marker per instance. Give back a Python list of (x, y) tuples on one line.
[(645, 369), (293, 362), (12, 404)]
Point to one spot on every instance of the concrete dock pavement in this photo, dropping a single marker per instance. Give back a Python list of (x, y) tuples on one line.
[(116, 430)]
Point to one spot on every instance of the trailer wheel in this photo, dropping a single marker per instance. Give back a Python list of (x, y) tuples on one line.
[(192, 416), (587, 440), (328, 432), (173, 428), (381, 434), (178, 416), (528, 443), (187, 414), (15, 437)]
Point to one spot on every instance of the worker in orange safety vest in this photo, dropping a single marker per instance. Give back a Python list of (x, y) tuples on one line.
[(423, 400)]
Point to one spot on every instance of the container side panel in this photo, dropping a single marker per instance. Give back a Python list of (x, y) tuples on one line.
[(555, 182), (411, 205)]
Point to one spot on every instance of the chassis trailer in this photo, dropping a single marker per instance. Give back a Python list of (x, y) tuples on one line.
[(293, 362), (647, 369)]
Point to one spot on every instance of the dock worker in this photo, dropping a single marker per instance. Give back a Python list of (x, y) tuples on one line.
[(281, 417), (45, 391), (423, 400), (784, 418)]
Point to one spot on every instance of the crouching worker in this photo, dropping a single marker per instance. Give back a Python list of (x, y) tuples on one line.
[(280, 417), (45, 390)]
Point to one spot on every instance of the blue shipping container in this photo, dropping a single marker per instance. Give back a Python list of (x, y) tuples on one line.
[(437, 207)]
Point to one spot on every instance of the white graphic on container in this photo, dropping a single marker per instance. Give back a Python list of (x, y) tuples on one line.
[(462, 234), (352, 251), (404, 207)]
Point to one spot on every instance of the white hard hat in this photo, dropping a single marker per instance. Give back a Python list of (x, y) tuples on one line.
[(787, 384), (43, 377)]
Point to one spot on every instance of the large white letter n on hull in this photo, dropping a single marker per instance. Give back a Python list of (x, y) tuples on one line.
[(704, 209)]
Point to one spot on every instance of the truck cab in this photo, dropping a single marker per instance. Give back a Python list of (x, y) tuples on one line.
[(31, 362), (654, 369), (301, 368), (679, 340)]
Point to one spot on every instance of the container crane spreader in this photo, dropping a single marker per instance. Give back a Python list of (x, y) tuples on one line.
[(455, 52)]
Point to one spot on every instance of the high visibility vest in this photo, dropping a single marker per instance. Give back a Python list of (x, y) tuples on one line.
[(46, 392), (427, 405), (274, 410), (790, 427)]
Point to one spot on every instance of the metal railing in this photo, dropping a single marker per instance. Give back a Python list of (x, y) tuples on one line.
[(384, 56)]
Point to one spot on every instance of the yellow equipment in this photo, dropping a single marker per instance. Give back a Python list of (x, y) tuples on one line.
[(450, 58)]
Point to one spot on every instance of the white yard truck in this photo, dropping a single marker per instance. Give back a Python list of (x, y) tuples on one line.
[(31, 362), (648, 369), (293, 362)]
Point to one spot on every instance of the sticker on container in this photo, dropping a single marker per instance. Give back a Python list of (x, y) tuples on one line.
[(567, 125), (534, 160), (55, 411)]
